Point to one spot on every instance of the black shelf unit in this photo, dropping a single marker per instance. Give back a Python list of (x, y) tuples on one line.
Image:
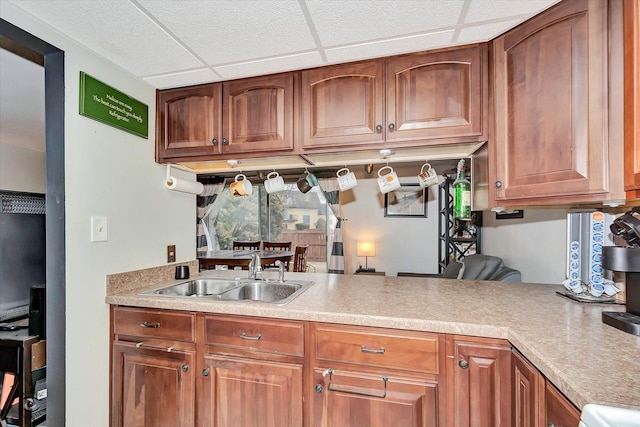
[(457, 239)]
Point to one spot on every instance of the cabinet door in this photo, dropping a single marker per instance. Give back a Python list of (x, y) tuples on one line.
[(152, 386), (479, 382), (343, 105), (560, 412), (437, 95), (188, 121), (632, 98), (551, 104), (239, 392), (361, 399), (528, 392), (258, 114)]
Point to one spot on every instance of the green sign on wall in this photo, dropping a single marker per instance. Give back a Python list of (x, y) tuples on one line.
[(105, 104)]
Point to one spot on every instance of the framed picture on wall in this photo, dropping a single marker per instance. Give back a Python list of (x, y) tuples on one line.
[(410, 200)]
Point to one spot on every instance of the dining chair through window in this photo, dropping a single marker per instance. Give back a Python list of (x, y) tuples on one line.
[(300, 259), (246, 246), (277, 246)]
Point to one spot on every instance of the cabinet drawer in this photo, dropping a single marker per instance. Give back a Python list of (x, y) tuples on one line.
[(154, 323), (416, 351), (270, 336)]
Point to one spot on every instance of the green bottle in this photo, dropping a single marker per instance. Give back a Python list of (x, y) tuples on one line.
[(461, 194)]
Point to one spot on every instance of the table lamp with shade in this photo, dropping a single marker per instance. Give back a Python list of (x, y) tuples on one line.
[(366, 249)]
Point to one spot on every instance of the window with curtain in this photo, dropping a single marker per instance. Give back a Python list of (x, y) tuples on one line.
[(286, 216)]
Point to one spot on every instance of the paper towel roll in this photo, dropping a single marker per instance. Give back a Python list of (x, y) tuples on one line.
[(192, 187)]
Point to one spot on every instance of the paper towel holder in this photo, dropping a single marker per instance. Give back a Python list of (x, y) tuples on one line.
[(173, 183)]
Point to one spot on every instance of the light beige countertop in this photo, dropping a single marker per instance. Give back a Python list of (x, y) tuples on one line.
[(589, 361)]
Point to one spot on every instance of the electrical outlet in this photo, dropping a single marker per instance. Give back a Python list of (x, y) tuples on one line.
[(171, 253)]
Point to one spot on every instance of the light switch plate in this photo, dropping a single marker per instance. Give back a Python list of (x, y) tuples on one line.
[(98, 228)]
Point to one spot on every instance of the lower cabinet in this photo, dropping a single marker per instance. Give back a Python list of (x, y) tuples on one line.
[(152, 386), (241, 392), (366, 399), (536, 402), (182, 369), (478, 381)]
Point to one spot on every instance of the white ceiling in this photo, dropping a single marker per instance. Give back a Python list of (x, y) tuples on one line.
[(171, 43)]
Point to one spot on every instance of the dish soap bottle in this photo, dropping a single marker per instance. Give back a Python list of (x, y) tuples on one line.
[(461, 194)]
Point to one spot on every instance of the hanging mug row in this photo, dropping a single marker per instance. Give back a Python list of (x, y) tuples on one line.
[(241, 186), (387, 182)]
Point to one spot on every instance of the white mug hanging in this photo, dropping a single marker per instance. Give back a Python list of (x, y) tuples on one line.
[(428, 178), (389, 181)]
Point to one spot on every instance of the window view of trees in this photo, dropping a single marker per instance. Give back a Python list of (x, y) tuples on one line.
[(286, 216)]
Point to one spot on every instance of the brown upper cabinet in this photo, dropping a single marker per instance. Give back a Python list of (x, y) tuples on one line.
[(207, 121), (557, 130), (437, 97), (188, 121), (632, 98), (258, 114)]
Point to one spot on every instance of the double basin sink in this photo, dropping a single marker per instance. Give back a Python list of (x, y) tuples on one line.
[(235, 290)]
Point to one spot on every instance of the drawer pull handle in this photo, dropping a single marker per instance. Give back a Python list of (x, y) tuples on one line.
[(150, 325), (355, 390), (168, 349), (364, 349), (244, 336)]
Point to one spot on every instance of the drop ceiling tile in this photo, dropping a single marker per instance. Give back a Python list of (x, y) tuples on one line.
[(503, 9), (343, 22), (271, 65), (117, 30), (181, 79), (390, 47), (231, 31), (485, 32)]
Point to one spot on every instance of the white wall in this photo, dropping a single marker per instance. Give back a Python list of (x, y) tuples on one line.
[(112, 173), (402, 244), (21, 169), (535, 244)]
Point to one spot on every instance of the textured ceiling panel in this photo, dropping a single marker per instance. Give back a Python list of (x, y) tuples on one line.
[(226, 31), (501, 9), (269, 66), (390, 47), (117, 30), (342, 22), (472, 34), (186, 78)]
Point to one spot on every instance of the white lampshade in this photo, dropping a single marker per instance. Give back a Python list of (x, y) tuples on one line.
[(366, 249)]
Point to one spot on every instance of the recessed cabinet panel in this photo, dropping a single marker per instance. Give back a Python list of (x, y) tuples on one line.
[(152, 387), (361, 399), (240, 392), (550, 104), (436, 95), (632, 98), (258, 114), (343, 105), (188, 121)]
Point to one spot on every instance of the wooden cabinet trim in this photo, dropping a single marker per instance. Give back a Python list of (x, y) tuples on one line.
[(631, 29)]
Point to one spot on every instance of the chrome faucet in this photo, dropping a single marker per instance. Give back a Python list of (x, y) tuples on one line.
[(280, 266), (255, 266)]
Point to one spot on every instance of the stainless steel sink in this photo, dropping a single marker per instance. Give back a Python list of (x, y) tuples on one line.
[(235, 290), (263, 291)]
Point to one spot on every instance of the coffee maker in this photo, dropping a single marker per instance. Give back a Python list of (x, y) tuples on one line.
[(625, 259)]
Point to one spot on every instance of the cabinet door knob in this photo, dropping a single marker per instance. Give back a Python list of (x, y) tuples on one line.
[(498, 184), (319, 388), (214, 141), (225, 141), (392, 126), (379, 128), (463, 364), (185, 368), (205, 372)]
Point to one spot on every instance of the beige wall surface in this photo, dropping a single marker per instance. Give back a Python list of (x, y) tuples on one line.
[(21, 169), (108, 173)]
